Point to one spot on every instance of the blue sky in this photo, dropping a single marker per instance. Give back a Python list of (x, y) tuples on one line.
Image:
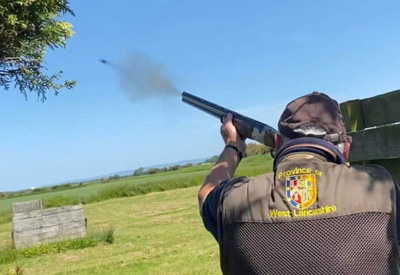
[(251, 57)]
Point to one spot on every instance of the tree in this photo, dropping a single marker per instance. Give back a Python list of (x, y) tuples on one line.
[(254, 149), (151, 171), (115, 177), (27, 29), (139, 172), (174, 168), (213, 159)]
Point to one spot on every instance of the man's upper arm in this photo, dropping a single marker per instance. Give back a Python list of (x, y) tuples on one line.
[(209, 210)]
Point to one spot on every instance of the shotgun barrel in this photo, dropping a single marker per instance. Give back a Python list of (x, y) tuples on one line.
[(246, 127)]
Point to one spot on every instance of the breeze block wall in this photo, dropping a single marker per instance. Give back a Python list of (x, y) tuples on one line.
[(26, 206), (48, 225)]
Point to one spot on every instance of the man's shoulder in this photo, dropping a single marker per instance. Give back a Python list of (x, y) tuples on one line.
[(262, 179), (373, 171), (266, 176), (246, 185)]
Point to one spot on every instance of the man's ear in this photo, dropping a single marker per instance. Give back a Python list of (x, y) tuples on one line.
[(346, 150), (278, 142)]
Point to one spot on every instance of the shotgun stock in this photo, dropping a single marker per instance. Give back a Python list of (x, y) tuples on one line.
[(246, 127)]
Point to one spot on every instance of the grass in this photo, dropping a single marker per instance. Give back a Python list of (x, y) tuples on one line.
[(5, 216), (9, 254), (155, 233)]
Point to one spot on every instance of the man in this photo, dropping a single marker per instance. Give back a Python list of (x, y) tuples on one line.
[(314, 214)]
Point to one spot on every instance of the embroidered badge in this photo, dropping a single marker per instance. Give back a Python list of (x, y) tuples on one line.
[(301, 190)]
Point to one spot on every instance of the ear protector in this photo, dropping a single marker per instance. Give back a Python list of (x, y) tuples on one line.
[(313, 145)]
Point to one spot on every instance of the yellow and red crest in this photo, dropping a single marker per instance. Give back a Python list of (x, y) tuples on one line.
[(301, 190)]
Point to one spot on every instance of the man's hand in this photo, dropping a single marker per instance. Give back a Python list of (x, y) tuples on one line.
[(231, 135)]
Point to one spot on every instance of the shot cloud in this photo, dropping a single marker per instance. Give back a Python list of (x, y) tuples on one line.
[(142, 78)]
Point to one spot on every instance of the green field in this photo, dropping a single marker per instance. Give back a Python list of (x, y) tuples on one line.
[(96, 186), (155, 233), (97, 191)]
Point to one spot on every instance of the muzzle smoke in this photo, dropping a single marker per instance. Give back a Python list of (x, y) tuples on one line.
[(142, 78)]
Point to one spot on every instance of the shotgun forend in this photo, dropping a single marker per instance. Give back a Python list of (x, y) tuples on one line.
[(246, 127)]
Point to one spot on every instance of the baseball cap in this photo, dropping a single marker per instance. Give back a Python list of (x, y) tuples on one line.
[(315, 115)]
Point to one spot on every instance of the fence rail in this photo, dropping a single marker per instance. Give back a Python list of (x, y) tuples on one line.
[(374, 124)]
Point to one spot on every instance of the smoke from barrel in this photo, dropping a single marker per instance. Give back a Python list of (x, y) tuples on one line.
[(142, 78)]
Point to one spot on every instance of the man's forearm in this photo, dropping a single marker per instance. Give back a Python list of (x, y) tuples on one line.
[(224, 169)]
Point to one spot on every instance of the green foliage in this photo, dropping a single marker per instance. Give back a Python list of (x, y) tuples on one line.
[(40, 190), (115, 177), (153, 171), (213, 159), (27, 28), (193, 175), (254, 149), (128, 190), (187, 165), (60, 200), (18, 269), (139, 171), (5, 216), (8, 255), (185, 177), (174, 168), (177, 167)]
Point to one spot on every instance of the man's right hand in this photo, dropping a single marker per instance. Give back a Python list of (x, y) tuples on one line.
[(231, 135)]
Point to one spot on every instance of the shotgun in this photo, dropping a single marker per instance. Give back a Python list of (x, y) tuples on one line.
[(246, 127)]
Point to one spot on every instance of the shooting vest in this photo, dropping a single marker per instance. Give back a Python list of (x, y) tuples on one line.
[(310, 217)]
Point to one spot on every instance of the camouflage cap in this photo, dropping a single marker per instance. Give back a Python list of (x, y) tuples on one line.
[(315, 115)]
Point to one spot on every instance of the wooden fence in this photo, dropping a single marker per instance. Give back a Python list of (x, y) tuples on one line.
[(374, 124), (48, 225)]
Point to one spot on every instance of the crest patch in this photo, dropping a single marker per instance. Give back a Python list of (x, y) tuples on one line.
[(301, 190)]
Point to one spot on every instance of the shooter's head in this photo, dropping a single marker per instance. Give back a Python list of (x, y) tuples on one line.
[(314, 115)]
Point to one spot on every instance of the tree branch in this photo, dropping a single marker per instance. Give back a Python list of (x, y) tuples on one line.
[(19, 60)]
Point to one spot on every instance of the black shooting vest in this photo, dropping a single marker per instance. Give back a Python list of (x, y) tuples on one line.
[(310, 217)]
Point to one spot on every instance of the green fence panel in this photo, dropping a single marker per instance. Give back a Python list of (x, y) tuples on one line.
[(374, 124)]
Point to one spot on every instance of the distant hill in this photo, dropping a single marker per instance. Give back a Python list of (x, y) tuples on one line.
[(129, 172), (123, 173)]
